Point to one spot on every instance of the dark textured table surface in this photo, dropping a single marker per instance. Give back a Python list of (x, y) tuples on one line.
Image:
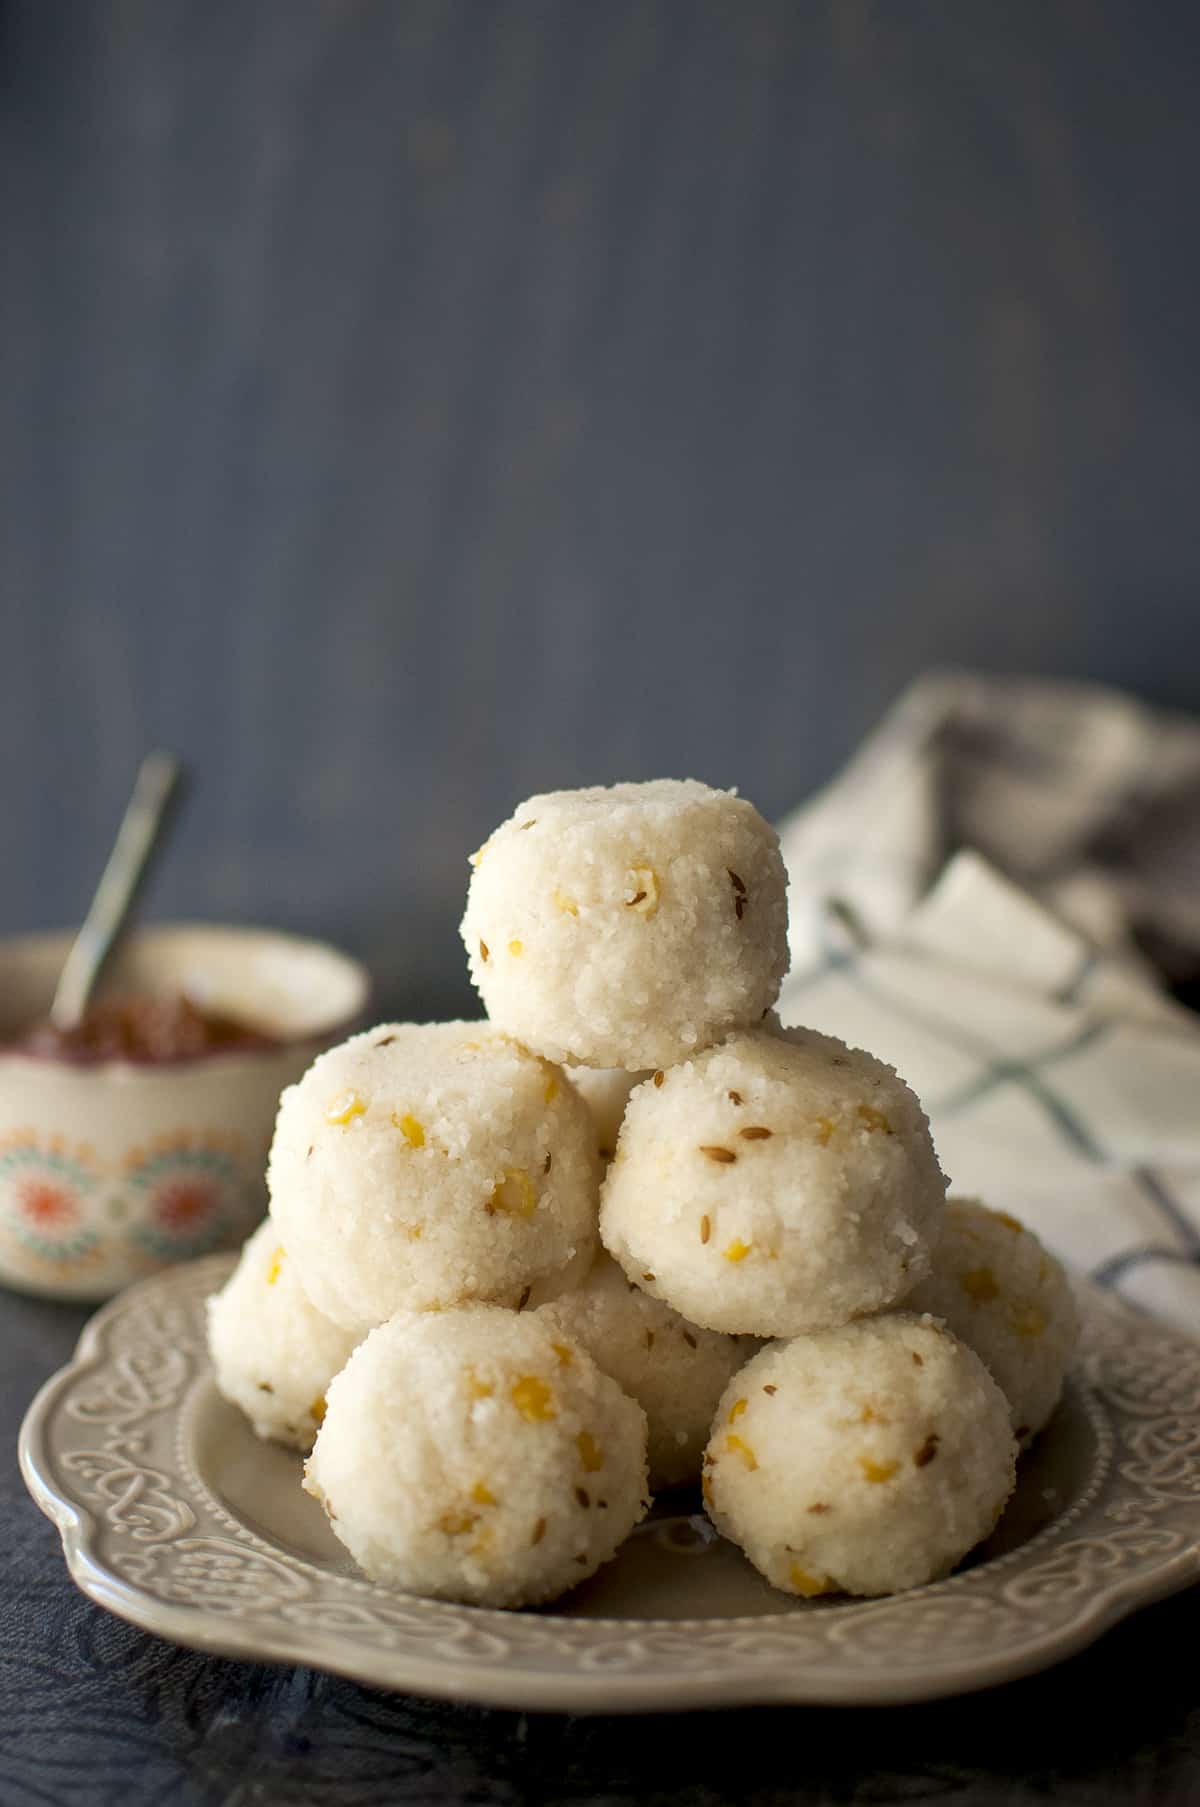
[(93, 1711)]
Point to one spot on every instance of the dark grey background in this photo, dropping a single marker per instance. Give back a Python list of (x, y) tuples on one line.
[(410, 404)]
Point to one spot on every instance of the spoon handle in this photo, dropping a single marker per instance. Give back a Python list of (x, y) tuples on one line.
[(138, 837)]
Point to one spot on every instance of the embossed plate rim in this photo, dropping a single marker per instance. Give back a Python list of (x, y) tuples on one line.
[(806, 1657)]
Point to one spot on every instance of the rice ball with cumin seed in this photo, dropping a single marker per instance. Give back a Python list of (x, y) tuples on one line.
[(1010, 1301), (419, 1165), (605, 1091), (862, 1460), (676, 1371), (273, 1353), (776, 1184), (629, 926), (478, 1455)]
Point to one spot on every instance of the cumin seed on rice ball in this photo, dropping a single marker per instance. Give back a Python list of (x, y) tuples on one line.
[(273, 1353), (676, 1371), (1006, 1297), (417, 1166), (478, 1455), (776, 1184), (863, 1460), (629, 926)]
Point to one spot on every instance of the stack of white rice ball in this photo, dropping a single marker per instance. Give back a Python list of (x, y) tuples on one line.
[(492, 1394)]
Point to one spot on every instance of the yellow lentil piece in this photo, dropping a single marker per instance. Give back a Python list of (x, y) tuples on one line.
[(874, 1120), (344, 1108), (737, 1447), (566, 905), (476, 1388), (808, 1585), (514, 1195), (412, 1131), (877, 1471), (737, 1250), (516, 949), (736, 1410), (979, 1283), (825, 1129), (591, 1458), (316, 1410), (275, 1266), (564, 1353), (1027, 1320), (482, 1494), (457, 1523), (533, 1398)]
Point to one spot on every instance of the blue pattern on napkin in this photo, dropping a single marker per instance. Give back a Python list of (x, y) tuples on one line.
[(1061, 1080)]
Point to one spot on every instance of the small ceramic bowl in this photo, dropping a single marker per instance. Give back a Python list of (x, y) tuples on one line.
[(111, 1169)]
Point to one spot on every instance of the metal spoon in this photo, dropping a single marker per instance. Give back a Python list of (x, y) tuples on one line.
[(138, 839)]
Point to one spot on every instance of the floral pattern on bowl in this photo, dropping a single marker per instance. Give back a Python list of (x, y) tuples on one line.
[(48, 1194), (111, 1170)]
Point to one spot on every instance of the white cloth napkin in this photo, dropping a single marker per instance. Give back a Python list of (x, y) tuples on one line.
[(964, 902)]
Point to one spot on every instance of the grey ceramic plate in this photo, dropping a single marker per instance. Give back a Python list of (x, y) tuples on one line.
[(173, 1515)]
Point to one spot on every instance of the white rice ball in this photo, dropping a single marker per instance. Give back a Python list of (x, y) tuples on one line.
[(478, 1455), (420, 1165), (605, 1091), (674, 1370), (1010, 1301), (862, 1460), (273, 1353), (776, 1184), (628, 927)]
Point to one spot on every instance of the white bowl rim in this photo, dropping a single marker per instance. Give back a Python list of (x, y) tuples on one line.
[(350, 1008)]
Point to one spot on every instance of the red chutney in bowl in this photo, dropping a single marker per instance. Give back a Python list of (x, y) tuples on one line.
[(142, 1138), (145, 1029)]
